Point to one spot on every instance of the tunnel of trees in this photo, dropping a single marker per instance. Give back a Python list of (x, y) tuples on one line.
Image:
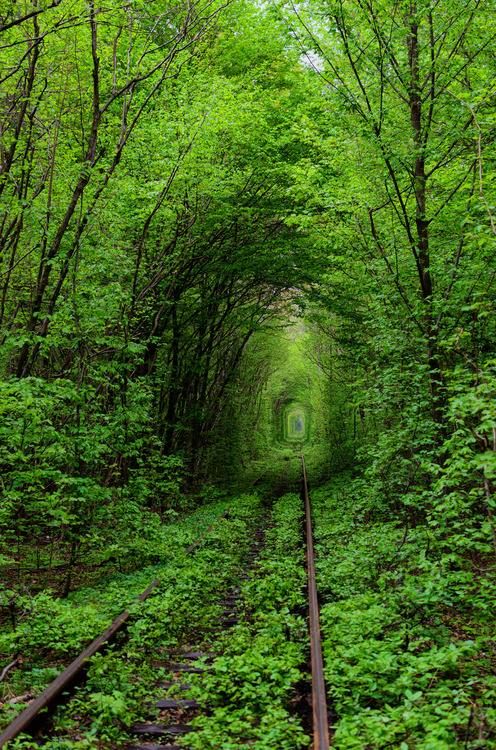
[(295, 422), (230, 231)]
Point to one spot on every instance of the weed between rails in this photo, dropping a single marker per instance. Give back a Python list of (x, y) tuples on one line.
[(249, 695)]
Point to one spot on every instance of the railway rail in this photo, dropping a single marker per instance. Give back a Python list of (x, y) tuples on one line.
[(190, 661), (52, 694), (321, 739), (67, 677)]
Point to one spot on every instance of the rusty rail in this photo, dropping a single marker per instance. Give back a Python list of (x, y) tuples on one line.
[(66, 678), (319, 696)]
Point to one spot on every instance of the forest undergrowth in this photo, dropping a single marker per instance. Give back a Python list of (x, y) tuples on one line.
[(408, 629), (45, 632)]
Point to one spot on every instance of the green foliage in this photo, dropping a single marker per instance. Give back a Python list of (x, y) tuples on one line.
[(463, 513), (406, 638), (277, 205), (118, 686), (62, 494), (248, 689), (144, 188), (52, 631)]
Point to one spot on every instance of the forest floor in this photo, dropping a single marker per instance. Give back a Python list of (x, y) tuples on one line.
[(404, 668), (408, 642), (256, 654)]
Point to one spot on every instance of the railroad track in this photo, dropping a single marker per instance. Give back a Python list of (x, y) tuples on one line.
[(48, 700), (321, 740), (175, 710)]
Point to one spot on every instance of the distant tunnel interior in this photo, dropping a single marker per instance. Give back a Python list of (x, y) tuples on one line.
[(292, 422)]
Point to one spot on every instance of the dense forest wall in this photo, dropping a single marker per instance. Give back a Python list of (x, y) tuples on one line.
[(178, 183), (145, 183), (410, 267)]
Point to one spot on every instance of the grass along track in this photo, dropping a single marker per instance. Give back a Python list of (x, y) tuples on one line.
[(216, 658), (256, 654), (405, 666), (55, 629)]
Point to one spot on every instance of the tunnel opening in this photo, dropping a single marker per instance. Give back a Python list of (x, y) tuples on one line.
[(292, 422)]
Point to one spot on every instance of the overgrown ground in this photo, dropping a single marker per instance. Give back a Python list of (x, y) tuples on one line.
[(408, 635), (46, 632), (250, 688)]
